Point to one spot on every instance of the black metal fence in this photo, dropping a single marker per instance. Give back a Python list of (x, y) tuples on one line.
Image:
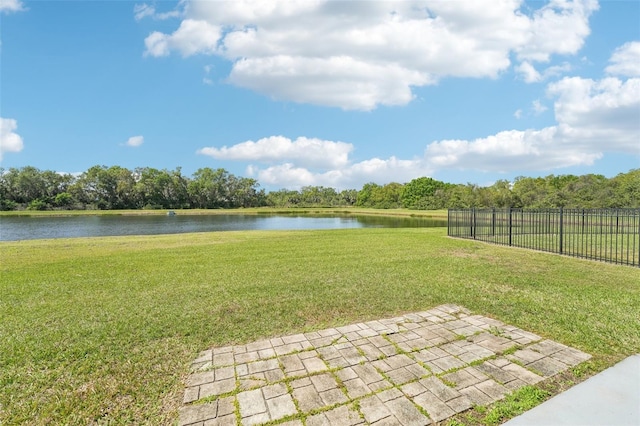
[(609, 235)]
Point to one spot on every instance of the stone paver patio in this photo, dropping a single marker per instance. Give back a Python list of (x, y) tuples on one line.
[(417, 369)]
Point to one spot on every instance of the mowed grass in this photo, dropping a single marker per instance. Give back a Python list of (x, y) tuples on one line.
[(102, 330)]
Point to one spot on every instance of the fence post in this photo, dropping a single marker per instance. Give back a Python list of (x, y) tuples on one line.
[(561, 230), (493, 222), (473, 223), (510, 225)]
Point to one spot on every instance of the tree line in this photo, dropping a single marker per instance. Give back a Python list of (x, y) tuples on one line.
[(115, 187)]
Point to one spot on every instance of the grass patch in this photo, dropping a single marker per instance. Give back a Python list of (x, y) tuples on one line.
[(103, 330), (514, 404)]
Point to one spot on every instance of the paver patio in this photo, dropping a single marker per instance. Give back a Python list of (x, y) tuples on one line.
[(416, 369)]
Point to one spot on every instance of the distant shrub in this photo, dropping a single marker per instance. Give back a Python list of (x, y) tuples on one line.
[(38, 204)]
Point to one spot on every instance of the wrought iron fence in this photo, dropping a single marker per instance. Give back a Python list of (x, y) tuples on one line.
[(609, 235)]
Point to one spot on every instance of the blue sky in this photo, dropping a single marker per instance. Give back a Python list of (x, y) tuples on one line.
[(323, 92)]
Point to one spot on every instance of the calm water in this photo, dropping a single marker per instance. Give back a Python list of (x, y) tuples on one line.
[(31, 228)]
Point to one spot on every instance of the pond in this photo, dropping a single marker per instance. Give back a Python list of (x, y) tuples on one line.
[(15, 228)]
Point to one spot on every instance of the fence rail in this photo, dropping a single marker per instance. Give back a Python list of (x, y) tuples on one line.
[(609, 235)]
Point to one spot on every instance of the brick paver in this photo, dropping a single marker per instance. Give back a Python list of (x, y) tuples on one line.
[(416, 369)]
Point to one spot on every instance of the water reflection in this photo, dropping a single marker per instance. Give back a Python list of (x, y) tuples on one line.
[(38, 227)]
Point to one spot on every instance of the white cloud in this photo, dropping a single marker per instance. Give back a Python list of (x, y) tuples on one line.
[(362, 54), (510, 150), (556, 70), (531, 75), (310, 161), (335, 81), (559, 27), (528, 72), (593, 117), (518, 114), (135, 141), (206, 80), (308, 152), (141, 11), (192, 37), (285, 175), (599, 114), (390, 170), (10, 141), (8, 6), (625, 61), (538, 108), (352, 176)]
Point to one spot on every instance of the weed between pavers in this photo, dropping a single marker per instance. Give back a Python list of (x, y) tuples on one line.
[(358, 408), (511, 350), (212, 398), (535, 371), (421, 409), (385, 336), (236, 410), (448, 382), (496, 331)]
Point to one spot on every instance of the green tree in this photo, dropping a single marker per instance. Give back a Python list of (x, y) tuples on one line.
[(318, 196), (388, 196), (214, 189), (529, 192), (106, 188), (348, 197), (365, 194), (283, 198), (29, 185), (63, 200), (501, 195), (22, 187), (8, 194), (178, 193), (154, 188), (460, 196), (245, 192), (419, 193), (587, 191), (625, 190)]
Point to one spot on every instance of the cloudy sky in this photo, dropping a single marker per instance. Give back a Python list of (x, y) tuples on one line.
[(323, 92)]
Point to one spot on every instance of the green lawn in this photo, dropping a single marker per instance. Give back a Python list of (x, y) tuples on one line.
[(103, 330)]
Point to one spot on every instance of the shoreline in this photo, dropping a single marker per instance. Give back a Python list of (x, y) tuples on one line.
[(436, 214)]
